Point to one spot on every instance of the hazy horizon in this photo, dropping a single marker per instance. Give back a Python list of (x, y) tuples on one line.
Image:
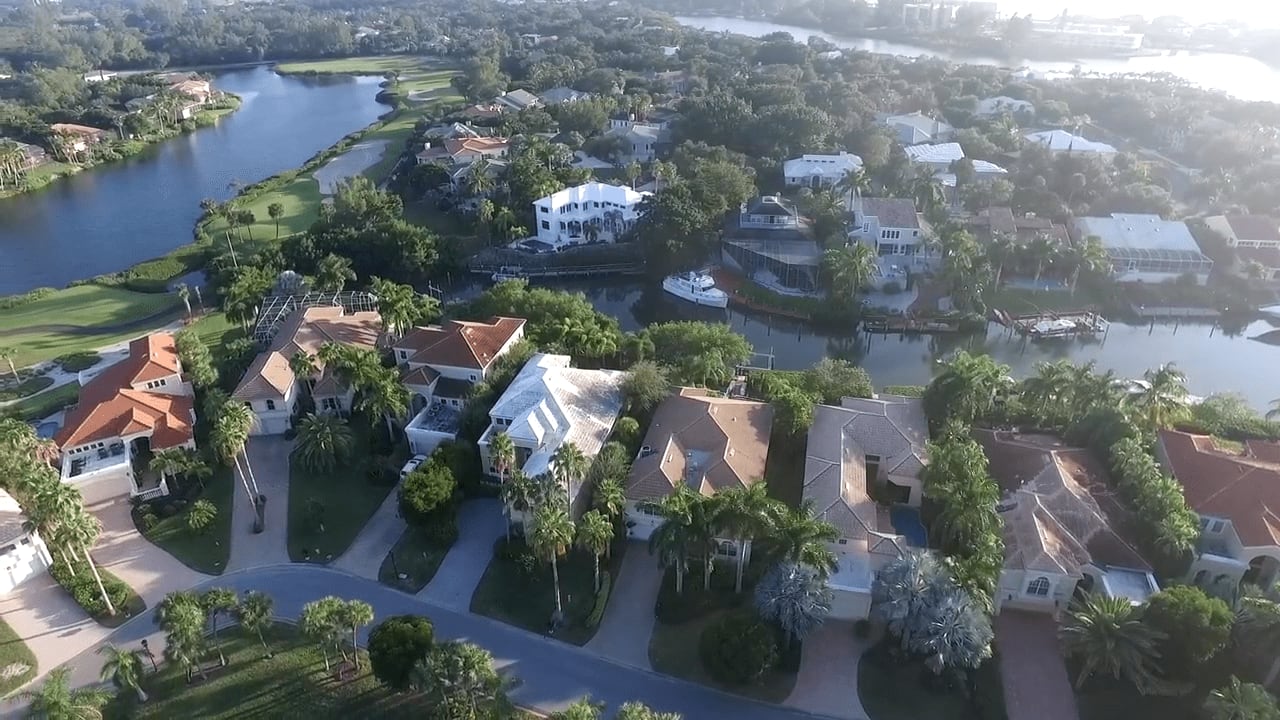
[(1254, 12)]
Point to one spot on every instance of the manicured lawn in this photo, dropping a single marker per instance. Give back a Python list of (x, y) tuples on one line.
[(439, 221), (17, 663), (216, 330), (416, 74), (895, 691), (80, 318), (416, 557), (506, 594), (44, 404), (348, 498), (11, 390), (204, 552), (301, 201), (673, 650), (291, 683), (1103, 698)]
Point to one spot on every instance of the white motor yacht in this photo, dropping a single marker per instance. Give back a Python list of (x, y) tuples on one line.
[(697, 288)]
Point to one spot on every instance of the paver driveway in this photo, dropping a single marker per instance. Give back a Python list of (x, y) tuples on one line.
[(628, 622), (1035, 680), (480, 524), (269, 456), (828, 679)]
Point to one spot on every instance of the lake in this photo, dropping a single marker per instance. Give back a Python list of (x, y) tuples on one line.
[(1243, 77), (112, 216)]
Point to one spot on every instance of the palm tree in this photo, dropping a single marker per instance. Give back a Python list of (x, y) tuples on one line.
[(82, 529), (1164, 397), (1241, 701), (217, 602), (333, 272), (184, 294), (8, 354), (323, 442), (795, 597), (276, 211), (849, 269), (856, 181), (609, 498), (355, 614), (1002, 248), (254, 613), (397, 305), (182, 618), (673, 540), (181, 462), (745, 513), (595, 532), (319, 622), (384, 398), (1089, 257), (479, 178), (124, 668), (56, 700), (1105, 633), (1042, 251), (519, 494), (1274, 412), (1050, 390), (230, 435), (926, 191), (459, 677), (552, 533), (632, 172), (799, 536), (570, 467), (201, 515), (304, 367), (503, 453)]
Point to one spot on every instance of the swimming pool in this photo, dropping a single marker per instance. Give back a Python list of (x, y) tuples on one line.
[(46, 430), (906, 520)]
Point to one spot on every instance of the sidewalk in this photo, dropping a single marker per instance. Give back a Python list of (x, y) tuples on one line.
[(480, 524), (269, 455), (379, 535)]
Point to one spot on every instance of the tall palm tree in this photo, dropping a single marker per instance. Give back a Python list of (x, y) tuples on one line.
[(229, 437), (927, 193), (609, 498), (849, 269), (1051, 389), (480, 178), (570, 467), (8, 354), (519, 494), (1002, 248), (56, 700), (1241, 701), (254, 613), (323, 443), (503, 453), (217, 602), (184, 294), (355, 614), (182, 618), (799, 536), (552, 534), (1105, 634), (595, 532), (319, 621), (276, 211), (82, 529), (397, 305), (305, 368), (1041, 252), (1165, 396), (384, 398), (855, 181), (745, 513), (1088, 257), (333, 272), (672, 540), (124, 667)]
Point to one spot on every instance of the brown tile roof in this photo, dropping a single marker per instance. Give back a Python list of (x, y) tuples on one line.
[(308, 329), (1255, 227), (1244, 489), (1059, 513), (110, 407), (709, 443), (73, 129), (421, 376), (459, 343)]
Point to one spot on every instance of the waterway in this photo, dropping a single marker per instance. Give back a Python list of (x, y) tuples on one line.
[(110, 217), (1243, 77)]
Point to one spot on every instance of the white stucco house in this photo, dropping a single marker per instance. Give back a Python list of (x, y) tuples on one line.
[(22, 553), (1003, 105), (898, 235), (1061, 141), (440, 364), (272, 391), (819, 171), (915, 128), (549, 404), (703, 442), (124, 414), (593, 212)]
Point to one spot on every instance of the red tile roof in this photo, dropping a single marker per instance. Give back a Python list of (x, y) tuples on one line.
[(1244, 489), (459, 343), (110, 407)]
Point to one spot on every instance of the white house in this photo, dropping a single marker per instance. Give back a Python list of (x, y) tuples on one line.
[(1003, 105), (703, 442), (1146, 248), (549, 404), (852, 449), (517, 100), (562, 96), (639, 140), (271, 389), (440, 364), (1256, 238), (1057, 512), (1061, 141), (897, 233), (127, 412), (940, 158), (915, 128), (595, 211), (22, 552), (817, 171)]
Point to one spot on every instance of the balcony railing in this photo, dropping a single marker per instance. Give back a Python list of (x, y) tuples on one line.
[(158, 491)]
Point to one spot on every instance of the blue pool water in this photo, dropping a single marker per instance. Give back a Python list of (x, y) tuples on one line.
[(47, 429), (906, 520)]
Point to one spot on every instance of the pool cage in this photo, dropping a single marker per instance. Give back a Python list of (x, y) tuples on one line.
[(1158, 260), (275, 308)]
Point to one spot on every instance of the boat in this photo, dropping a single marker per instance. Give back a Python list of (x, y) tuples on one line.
[(507, 272), (697, 288), (1271, 311)]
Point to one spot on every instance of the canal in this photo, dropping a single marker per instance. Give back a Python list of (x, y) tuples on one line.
[(113, 216)]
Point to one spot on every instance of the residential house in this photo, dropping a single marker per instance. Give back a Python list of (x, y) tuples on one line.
[(703, 442), (939, 160), (1061, 141), (77, 137), (452, 152), (456, 131), (549, 404), (562, 96), (1108, 37), (862, 447), (678, 81), (991, 222), (1003, 105), (32, 155), (440, 364), (517, 100), (1256, 239), (639, 140), (483, 111), (1237, 496), (22, 551), (819, 171), (772, 244), (200, 91), (1062, 526), (897, 233), (1146, 248), (274, 393), (586, 213), (915, 128), (127, 412), (97, 76)]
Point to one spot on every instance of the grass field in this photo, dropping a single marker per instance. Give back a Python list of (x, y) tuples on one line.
[(44, 404), (416, 557), (17, 663), (25, 328), (417, 75), (205, 552)]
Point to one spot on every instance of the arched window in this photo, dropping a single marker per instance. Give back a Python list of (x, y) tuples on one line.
[(1039, 586)]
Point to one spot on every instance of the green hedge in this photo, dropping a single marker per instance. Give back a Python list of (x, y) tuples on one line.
[(738, 648), (911, 391), (602, 601), (30, 386), (84, 590), (12, 301), (77, 361)]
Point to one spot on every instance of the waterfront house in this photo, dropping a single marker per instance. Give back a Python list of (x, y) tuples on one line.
[(1236, 493), (1062, 526), (1146, 248), (1063, 142), (1256, 239), (23, 553), (32, 155), (819, 171), (991, 222), (591, 212), (199, 91), (939, 160), (125, 413), (77, 138), (916, 128), (862, 447), (561, 96), (548, 404), (771, 243), (456, 130), (1003, 105), (440, 364), (706, 443), (272, 391), (453, 152), (897, 234)]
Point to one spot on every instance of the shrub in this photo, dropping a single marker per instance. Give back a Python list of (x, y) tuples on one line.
[(84, 589), (77, 361), (441, 528), (396, 645), (674, 608), (149, 520), (738, 648), (891, 288), (12, 301), (1196, 627), (30, 386), (862, 629), (602, 601), (426, 491), (911, 391)]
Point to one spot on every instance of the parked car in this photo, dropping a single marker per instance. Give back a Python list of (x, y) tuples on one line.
[(412, 465)]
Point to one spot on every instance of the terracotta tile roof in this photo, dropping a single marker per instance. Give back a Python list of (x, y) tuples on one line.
[(1244, 489), (73, 129), (110, 406), (1059, 513), (308, 329), (421, 376), (459, 343), (708, 443)]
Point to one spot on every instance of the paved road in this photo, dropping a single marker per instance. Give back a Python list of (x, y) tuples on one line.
[(551, 674)]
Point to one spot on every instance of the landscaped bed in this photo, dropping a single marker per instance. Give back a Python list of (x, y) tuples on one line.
[(417, 557), (205, 551), (893, 689), (83, 588), (44, 404), (14, 390), (17, 663)]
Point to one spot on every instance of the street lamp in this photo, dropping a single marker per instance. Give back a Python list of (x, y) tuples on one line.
[(147, 649)]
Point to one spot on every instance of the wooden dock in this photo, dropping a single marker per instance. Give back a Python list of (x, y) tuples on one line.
[(575, 271), (909, 325), (1047, 325)]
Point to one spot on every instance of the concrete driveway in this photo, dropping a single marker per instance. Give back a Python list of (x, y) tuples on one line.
[(269, 457), (150, 571), (628, 621), (480, 524), (828, 679), (1034, 675)]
